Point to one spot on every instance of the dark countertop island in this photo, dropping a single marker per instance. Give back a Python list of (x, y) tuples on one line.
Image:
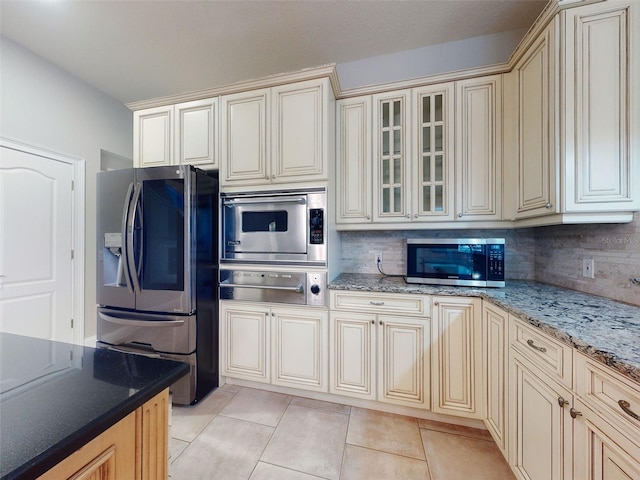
[(55, 397), (603, 329)]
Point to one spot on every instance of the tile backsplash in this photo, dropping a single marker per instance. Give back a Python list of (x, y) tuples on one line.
[(614, 248), (547, 254)]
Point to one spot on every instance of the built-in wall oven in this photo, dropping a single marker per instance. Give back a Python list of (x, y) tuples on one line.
[(286, 228)]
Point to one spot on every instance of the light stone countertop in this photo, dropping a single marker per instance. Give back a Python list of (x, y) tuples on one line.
[(603, 329)]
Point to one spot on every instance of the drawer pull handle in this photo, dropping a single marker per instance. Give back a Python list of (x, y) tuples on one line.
[(535, 347), (624, 405), (377, 303), (562, 402)]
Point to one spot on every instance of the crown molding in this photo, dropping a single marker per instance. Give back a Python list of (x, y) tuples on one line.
[(323, 71)]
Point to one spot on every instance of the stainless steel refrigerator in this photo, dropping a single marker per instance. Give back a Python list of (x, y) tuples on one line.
[(157, 269)]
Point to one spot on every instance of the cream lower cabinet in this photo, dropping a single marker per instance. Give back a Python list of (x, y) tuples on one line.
[(274, 344), (607, 425), (457, 357), (541, 436), (376, 354), (495, 367)]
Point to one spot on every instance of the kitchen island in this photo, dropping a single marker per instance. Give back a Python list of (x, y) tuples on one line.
[(603, 329), (56, 398)]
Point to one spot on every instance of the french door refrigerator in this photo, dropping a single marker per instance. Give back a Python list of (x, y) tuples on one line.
[(157, 269)]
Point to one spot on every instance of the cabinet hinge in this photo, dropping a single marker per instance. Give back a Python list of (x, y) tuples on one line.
[(73, 185), (72, 323), (71, 254)]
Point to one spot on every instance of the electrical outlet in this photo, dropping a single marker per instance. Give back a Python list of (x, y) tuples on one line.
[(587, 267), (378, 258)]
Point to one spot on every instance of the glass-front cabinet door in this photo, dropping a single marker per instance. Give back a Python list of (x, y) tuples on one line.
[(433, 167), (391, 153)]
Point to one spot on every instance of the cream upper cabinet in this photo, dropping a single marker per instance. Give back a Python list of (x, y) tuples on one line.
[(479, 148), (495, 366), (533, 80), (153, 137), (245, 138), (391, 156), (601, 85), (433, 163), (572, 117), (457, 357), (354, 161), (185, 133), (196, 133), (278, 135), (379, 346)]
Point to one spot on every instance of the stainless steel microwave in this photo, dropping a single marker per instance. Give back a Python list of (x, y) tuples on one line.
[(472, 262), (285, 227)]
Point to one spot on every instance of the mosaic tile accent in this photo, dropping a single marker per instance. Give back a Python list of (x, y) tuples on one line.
[(606, 330)]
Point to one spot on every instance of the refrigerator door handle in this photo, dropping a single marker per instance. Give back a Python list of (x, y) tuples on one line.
[(141, 323), (131, 218), (125, 252)]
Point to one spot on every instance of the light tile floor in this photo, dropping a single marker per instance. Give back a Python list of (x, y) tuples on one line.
[(238, 433)]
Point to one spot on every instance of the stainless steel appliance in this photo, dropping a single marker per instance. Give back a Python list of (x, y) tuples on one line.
[(300, 288), (157, 269), (474, 262), (285, 227)]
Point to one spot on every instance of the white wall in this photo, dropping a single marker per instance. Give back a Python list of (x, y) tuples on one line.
[(46, 107), (422, 62)]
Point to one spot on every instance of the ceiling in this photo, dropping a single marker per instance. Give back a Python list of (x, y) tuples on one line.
[(137, 50)]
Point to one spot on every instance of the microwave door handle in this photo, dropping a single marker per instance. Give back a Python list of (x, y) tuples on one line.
[(297, 289), (262, 201), (131, 261), (125, 251)]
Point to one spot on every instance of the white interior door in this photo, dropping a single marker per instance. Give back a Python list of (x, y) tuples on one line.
[(36, 242)]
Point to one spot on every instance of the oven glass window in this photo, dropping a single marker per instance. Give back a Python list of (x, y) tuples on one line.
[(265, 221)]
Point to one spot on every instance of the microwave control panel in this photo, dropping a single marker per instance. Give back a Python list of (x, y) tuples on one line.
[(316, 226), (495, 262)]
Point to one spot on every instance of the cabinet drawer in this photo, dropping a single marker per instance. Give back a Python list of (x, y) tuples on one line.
[(550, 355), (376, 302), (612, 395)]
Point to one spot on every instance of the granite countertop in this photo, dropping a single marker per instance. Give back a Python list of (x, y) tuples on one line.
[(55, 397), (603, 329)]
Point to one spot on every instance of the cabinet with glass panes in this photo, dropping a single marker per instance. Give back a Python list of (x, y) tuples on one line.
[(413, 155)]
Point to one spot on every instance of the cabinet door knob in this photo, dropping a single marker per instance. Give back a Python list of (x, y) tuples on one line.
[(535, 347), (548, 205), (624, 405), (460, 215), (574, 413), (273, 177), (416, 215), (562, 402), (408, 215), (435, 303), (368, 217)]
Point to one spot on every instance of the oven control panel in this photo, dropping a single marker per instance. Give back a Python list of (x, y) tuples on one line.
[(316, 226)]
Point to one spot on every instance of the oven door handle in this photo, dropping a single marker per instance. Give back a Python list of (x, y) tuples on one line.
[(259, 201), (141, 323), (298, 289)]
